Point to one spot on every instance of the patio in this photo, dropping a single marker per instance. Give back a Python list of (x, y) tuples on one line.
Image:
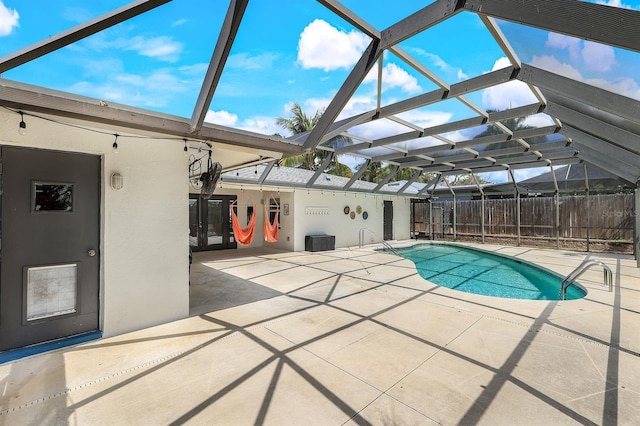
[(351, 336)]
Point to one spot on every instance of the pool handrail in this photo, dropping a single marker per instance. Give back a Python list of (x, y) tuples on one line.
[(581, 269), (361, 235), (389, 247)]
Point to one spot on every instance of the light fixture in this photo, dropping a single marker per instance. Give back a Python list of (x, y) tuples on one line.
[(117, 181), (114, 147), (22, 127), (186, 150)]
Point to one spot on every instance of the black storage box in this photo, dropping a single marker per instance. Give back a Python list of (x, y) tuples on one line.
[(319, 242)]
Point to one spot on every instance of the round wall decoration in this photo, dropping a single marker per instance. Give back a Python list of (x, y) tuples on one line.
[(346, 210), (358, 209), (352, 215), (365, 215)]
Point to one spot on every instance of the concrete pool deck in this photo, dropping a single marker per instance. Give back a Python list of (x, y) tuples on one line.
[(351, 336)]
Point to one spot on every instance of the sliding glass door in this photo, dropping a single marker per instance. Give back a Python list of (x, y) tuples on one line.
[(210, 223)]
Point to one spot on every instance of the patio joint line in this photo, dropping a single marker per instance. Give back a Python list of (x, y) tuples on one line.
[(112, 375), (532, 329)]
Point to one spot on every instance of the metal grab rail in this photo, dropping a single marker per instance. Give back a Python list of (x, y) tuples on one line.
[(390, 248), (361, 236), (385, 244), (581, 269)]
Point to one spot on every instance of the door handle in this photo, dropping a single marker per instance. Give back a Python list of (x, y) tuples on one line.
[(91, 253)]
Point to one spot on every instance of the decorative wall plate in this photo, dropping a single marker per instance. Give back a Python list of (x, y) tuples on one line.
[(365, 215), (352, 215), (359, 209), (347, 210)]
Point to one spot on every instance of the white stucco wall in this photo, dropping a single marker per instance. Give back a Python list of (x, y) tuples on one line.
[(315, 211), (144, 235), (323, 212), (259, 197)]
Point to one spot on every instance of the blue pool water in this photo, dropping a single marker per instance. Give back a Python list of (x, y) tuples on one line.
[(481, 272)]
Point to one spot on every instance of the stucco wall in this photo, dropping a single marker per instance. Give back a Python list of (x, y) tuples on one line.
[(259, 197), (314, 211), (144, 235), (323, 212)]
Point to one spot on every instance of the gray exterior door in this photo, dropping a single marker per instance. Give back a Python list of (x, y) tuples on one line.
[(49, 265), (387, 229)]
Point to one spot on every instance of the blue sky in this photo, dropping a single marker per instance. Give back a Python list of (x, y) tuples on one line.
[(289, 51)]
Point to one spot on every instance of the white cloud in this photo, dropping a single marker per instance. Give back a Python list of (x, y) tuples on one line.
[(593, 56), (8, 20), (357, 105), (625, 86), (551, 63), (394, 76), (598, 57), (157, 89), (538, 120), (561, 41), (378, 129), (179, 22), (261, 124), (617, 3), (257, 124), (311, 105), (507, 95), (426, 118), (325, 47), (382, 128), (256, 62), (523, 174), (162, 48), (438, 62), (224, 118), (195, 69)]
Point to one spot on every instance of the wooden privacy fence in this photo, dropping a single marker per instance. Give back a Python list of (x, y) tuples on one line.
[(608, 218)]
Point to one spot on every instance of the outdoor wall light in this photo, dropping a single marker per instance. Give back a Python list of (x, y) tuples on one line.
[(114, 147), (22, 127), (117, 181)]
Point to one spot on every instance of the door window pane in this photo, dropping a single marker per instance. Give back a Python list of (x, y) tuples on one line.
[(214, 219), (193, 222), (53, 197), (51, 291)]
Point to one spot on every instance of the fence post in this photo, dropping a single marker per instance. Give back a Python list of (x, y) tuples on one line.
[(588, 206), (588, 219), (557, 203), (517, 194), (431, 219), (556, 200), (636, 225), (455, 234), (482, 224), (482, 205)]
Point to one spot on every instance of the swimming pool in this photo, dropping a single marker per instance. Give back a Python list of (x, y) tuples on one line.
[(480, 272)]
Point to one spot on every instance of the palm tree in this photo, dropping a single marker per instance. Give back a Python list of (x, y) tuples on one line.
[(513, 124), (300, 123)]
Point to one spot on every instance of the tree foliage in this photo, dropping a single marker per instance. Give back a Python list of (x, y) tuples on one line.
[(300, 122)]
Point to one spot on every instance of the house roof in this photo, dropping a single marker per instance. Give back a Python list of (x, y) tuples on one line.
[(589, 122)]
